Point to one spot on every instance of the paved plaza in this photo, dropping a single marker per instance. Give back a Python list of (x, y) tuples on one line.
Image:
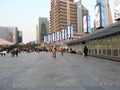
[(37, 71)]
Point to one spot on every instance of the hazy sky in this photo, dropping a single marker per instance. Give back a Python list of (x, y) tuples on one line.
[(24, 14)]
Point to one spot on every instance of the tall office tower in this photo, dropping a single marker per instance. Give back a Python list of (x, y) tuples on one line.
[(108, 16), (37, 34), (81, 12), (62, 14), (42, 29), (19, 36), (9, 33)]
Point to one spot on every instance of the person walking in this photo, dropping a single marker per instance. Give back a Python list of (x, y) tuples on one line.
[(53, 52), (62, 50), (85, 51)]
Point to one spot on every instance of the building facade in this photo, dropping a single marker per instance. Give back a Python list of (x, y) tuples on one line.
[(103, 43), (9, 34), (62, 14), (42, 29)]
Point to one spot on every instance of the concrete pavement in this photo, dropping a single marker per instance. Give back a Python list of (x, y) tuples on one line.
[(37, 71)]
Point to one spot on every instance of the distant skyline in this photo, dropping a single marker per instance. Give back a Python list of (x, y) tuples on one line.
[(24, 14)]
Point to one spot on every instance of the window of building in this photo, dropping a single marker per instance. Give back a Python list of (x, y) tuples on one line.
[(115, 45), (109, 46)]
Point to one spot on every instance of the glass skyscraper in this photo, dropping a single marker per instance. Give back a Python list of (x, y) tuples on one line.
[(42, 29)]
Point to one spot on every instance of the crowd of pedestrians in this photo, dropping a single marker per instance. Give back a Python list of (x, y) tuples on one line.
[(16, 51)]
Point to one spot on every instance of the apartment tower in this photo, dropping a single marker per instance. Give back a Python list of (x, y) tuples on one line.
[(62, 14)]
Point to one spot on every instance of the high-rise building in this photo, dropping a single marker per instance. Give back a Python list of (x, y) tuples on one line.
[(107, 14), (62, 14), (42, 29), (19, 36), (9, 33), (37, 34), (81, 12)]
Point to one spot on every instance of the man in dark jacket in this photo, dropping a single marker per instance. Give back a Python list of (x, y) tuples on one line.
[(85, 51)]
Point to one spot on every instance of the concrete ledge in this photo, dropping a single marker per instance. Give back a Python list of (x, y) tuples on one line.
[(108, 57)]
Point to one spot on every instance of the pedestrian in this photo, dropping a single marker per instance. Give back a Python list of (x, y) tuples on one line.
[(85, 51), (12, 53), (4, 52), (62, 50), (53, 52), (16, 52)]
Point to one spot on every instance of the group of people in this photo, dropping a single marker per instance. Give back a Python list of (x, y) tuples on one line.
[(14, 52), (54, 52), (85, 52)]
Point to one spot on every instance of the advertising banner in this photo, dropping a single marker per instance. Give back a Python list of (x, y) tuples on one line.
[(60, 36), (71, 31), (51, 38), (85, 24), (63, 34), (89, 24), (46, 39), (68, 31), (55, 37), (102, 15)]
